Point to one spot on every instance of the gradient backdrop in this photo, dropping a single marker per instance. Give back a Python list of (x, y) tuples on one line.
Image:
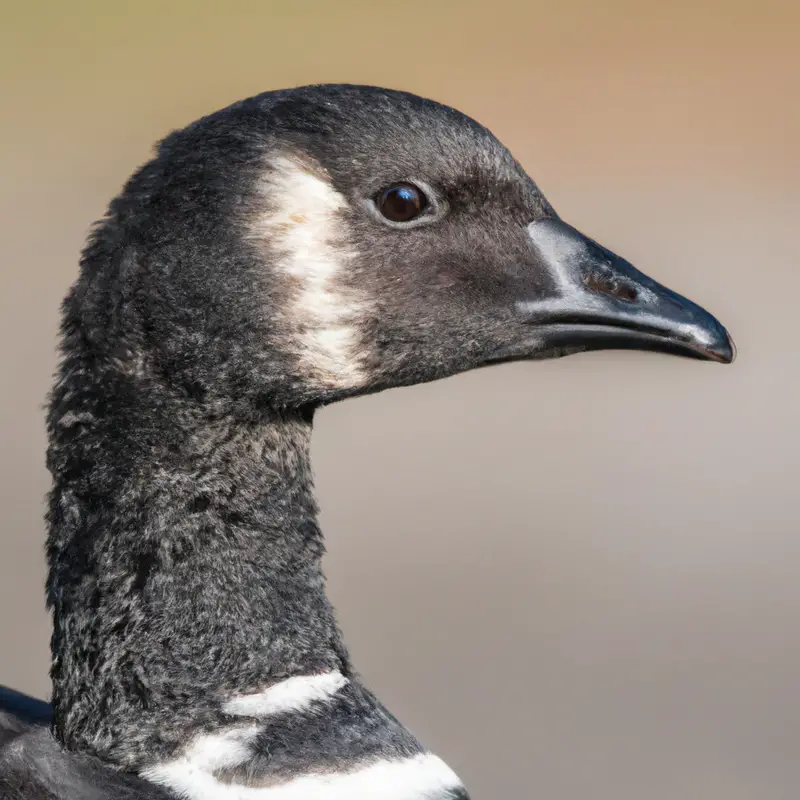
[(571, 579)]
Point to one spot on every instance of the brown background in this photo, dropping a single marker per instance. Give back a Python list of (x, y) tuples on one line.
[(572, 579)]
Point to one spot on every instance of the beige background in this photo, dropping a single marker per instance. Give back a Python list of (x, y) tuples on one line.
[(572, 579)]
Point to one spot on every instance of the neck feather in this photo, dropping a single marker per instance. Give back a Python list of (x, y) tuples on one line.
[(184, 565)]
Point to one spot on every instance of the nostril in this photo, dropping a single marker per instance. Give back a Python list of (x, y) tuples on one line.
[(613, 286)]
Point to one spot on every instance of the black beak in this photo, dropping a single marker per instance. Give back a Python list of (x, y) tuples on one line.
[(600, 302)]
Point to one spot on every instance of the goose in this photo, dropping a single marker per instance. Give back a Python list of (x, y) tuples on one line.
[(292, 250)]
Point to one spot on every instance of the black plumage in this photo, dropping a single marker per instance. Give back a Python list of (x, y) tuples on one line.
[(205, 328)]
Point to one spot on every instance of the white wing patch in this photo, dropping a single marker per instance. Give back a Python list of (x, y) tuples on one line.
[(302, 227)]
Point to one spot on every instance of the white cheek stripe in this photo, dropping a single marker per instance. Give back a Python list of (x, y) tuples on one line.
[(303, 229), (422, 777), (293, 694)]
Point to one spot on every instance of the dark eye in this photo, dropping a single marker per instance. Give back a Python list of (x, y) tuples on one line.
[(401, 202)]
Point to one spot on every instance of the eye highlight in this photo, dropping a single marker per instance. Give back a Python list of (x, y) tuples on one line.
[(401, 202)]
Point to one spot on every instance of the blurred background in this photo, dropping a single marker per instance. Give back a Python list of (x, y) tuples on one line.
[(573, 578)]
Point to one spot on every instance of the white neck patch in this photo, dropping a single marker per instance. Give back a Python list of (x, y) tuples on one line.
[(302, 226), (294, 694), (192, 773)]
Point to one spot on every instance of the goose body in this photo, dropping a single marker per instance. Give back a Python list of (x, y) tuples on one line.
[(293, 250)]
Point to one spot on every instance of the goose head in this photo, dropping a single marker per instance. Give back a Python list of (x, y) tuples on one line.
[(312, 244), (289, 251)]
